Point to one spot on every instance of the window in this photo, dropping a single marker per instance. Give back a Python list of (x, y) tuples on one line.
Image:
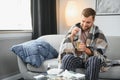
[(15, 15)]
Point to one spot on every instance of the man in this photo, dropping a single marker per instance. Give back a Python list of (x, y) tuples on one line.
[(89, 53)]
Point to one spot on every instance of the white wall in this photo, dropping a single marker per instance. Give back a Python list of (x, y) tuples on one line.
[(8, 60), (108, 24)]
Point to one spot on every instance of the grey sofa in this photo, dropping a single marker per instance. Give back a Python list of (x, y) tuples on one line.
[(113, 52)]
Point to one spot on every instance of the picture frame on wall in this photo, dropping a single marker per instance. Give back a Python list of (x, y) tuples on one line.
[(107, 7)]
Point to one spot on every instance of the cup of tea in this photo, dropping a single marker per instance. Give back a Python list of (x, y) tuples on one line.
[(78, 45)]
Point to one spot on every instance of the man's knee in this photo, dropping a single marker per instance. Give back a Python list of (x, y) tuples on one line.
[(67, 56), (95, 60)]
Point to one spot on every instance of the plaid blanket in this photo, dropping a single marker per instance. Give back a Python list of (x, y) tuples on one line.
[(96, 42)]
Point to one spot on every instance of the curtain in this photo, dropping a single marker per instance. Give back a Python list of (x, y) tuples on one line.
[(43, 14)]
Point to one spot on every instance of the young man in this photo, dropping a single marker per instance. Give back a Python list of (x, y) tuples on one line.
[(89, 53)]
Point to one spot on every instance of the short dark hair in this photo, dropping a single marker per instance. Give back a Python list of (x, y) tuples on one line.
[(89, 12)]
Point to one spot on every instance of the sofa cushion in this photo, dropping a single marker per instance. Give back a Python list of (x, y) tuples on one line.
[(112, 73), (53, 40), (113, 51), (43, 68), (34, 52)]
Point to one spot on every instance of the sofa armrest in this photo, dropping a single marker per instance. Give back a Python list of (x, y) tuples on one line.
[(22, 66)]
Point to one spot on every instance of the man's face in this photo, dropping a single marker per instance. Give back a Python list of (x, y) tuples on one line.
[(87, 22)]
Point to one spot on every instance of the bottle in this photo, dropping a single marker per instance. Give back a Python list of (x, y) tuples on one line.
[(59, 65), (48, 67)]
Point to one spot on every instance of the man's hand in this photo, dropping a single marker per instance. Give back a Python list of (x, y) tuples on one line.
[(82, 47)]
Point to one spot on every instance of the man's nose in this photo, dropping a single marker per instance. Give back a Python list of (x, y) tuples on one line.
[(84, 24)]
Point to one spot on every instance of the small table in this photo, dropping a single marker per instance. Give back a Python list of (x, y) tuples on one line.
[(52, 74)]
